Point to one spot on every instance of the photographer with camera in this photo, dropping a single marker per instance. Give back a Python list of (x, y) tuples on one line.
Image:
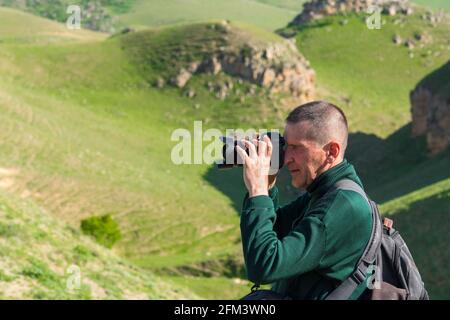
[(308, 247)]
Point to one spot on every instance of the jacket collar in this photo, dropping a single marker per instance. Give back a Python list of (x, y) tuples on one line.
[(323, 182)]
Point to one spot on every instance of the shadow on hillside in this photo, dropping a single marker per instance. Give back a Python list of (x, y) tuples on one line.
[(230, 183), (291, 30), (438, 81), (395, 166), (389, 168), (424, 226)]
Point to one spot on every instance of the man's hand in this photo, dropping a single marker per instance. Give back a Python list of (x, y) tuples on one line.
[(257, 166)]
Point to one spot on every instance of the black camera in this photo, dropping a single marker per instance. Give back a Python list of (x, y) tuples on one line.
[(231, 158)]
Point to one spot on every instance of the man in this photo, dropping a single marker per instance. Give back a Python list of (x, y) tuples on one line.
[(308, 247)]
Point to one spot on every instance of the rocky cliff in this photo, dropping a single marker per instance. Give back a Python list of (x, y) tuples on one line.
[(277, 66), (261, 60), (430, 108)]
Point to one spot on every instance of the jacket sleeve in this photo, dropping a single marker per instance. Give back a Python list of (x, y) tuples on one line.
[(268, 257), (285, 215)]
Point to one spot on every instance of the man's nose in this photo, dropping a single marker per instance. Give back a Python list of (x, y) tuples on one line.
[(287, 157)]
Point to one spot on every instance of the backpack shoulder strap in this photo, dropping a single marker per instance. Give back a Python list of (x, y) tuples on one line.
[(347, 184), (349, 285)]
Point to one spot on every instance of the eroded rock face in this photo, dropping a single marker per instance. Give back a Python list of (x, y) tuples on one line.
[(317, 9), (278, 67), (430, 108)]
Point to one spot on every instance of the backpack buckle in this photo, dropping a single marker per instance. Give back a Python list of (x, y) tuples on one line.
[(359, 276)]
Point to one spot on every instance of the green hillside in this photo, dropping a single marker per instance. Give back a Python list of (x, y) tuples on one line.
[(94, 14), (38, 30), (86, 132), (88, 135), (296, 5), (159, 12), (435, 4), (112, 15), (87, 169), (41, 256), (421, 216)]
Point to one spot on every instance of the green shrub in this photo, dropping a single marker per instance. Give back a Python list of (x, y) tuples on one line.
[(102, 228)]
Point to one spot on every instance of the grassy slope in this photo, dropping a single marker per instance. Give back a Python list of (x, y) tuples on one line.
[(17, 26), (102, 97), (434, 4), (32, 125), (372, 61), (85, 170), (267, 14), (39, 251), (86, 135), (159, 12), (422, 218), (296, 5)]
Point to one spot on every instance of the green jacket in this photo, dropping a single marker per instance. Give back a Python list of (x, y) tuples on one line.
[(306, 248)]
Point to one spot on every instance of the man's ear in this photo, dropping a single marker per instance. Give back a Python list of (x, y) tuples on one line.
[(333, 151)]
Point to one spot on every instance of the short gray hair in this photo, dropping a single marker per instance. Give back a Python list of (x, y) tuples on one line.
[(325, 119)]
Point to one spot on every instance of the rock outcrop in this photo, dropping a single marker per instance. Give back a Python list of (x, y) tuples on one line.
[(430, 108), (317, 9), (276, 66)]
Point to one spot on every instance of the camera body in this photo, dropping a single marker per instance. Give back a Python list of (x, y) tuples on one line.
[(231, 159)]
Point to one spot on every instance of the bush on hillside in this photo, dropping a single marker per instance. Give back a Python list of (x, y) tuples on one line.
[(104, 229)]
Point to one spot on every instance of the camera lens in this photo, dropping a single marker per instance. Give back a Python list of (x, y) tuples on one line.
[(230, 155)]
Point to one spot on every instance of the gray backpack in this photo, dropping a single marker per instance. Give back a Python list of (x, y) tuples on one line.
[(386, 266)]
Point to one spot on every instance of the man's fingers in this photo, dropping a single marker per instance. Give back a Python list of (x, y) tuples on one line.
[(251, 149), (269, 146), (262, 148), (242, 154)]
